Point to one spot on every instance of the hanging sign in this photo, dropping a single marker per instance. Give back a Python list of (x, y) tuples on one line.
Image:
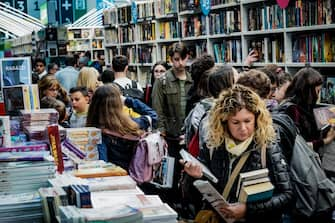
[(21, 5), (8, 2), (283, 3), (133, 12), (205, 6), (66, 11)]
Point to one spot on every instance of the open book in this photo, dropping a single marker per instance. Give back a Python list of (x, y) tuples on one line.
[(324, 116), (206, 172), (213, 197)]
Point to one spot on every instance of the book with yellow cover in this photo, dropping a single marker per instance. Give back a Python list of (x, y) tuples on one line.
[(256, 192), (100, 172)]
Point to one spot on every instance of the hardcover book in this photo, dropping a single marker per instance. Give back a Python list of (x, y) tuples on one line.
[(256, 192), (247, 178)]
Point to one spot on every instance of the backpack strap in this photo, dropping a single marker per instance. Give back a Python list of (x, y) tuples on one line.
[(263, 156), (234, 174), (116, 134), (120, 87), (133, 84)]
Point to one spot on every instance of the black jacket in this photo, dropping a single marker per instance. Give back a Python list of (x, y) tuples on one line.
[(265, 211), (120, 150)]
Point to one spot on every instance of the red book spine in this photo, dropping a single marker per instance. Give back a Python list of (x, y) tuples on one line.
[(55, 147)]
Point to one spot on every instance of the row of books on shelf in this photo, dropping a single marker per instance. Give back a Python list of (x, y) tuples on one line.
[(228, 51), (145, 10), (146, 31), (227, 21), (314, 48), (308, 13), (193, 26), (164, 7), (169, 30), (264, 18)]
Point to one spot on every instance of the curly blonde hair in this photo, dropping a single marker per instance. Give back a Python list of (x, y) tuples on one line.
[(229, 103)]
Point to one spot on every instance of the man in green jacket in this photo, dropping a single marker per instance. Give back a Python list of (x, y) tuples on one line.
[(169, 101)]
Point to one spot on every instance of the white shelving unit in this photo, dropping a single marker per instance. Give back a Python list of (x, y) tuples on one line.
[(81, 39), (229, 32)]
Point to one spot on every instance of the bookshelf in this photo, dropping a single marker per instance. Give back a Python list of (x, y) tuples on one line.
[(81, 39), (302, 33)]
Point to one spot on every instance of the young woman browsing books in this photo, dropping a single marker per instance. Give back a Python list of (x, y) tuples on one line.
[(239, 126), (120, 132)]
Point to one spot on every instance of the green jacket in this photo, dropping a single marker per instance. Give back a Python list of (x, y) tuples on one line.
[(166, 102)]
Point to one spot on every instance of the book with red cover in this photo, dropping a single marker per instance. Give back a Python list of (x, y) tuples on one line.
[(55, 147)]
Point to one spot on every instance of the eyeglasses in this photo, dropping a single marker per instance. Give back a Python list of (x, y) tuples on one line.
[(159, 71), (53, 89)]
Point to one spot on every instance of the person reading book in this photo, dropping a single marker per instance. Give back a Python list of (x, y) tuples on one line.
[(303, 94), (239, 126)]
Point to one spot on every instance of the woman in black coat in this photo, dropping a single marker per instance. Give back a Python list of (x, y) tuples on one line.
[(239, 123)]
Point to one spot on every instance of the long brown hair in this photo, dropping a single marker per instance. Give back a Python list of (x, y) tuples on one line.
[(106, 112)]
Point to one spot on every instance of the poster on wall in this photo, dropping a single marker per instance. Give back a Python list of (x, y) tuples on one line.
[(15, 71)]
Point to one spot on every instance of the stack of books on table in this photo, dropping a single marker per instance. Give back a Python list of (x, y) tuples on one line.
[(118, 214), (27, 151), (109, 193), (87, 140), (151, 206), (35, 122), (52, 198), (25, 176), (21, 208)]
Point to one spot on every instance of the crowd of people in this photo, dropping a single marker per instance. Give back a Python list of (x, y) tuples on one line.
[(230, 111)]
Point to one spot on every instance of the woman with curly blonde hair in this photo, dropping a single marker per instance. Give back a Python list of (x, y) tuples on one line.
[(240, 126)]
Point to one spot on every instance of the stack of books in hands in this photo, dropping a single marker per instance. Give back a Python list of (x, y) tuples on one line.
[(254, 186)]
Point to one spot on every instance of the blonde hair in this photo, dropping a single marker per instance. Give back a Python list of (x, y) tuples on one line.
[(88, 77), (229, 103)]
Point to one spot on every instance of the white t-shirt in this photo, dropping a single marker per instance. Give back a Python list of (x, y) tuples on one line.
[(125, 82)]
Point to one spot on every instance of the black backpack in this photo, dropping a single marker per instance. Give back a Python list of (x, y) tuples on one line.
[(314, 192), (131, 91)]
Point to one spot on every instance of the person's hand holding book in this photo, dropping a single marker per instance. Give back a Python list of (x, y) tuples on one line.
[(235, 211), (330, 136), (191, 168)]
